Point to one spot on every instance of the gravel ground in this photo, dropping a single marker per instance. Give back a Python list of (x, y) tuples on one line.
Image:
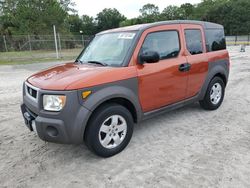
[(188, 147)]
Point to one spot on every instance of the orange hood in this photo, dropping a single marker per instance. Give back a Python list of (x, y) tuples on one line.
[(72, 76)]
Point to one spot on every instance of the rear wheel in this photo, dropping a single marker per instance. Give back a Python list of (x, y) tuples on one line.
[(214, 95), (109, 130)]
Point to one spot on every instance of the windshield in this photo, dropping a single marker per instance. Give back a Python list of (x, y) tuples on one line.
[(108, 49)]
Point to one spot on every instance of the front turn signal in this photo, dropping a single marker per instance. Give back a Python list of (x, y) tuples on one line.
[(85, 94)]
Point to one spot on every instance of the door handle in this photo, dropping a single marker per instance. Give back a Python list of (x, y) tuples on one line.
[(184, 67)]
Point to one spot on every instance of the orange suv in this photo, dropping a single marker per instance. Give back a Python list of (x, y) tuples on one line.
[(124, 76)]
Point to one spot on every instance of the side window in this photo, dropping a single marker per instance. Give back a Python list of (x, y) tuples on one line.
[(166, 43), (215, 40), (194, 41)]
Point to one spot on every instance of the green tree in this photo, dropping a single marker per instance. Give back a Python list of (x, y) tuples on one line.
[(7, 8), (89, 25), (108, 19), (203, 9), (187, 11), (234, 15), (1, 7), (132, 21), (74, 23), (238, 19), (149, 13), (33, 16), (171, 13), (68, 5), (37, 17)]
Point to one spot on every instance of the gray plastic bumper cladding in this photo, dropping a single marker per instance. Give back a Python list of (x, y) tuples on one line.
[(66, 126), (217, 67)]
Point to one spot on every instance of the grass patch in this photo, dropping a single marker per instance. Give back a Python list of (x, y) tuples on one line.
[(39, 56), (17, 62)]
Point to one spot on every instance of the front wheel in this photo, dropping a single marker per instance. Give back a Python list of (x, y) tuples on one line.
[(214, 95), (109, 130)]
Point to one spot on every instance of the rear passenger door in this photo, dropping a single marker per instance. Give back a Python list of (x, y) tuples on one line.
[(196, 56)]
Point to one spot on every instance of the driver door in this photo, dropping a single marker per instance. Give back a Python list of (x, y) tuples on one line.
[(164, 82)]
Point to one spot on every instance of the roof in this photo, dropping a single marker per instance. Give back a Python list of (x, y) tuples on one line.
[(142, 27)]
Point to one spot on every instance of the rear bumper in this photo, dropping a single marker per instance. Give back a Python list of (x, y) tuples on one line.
[(67, 126)]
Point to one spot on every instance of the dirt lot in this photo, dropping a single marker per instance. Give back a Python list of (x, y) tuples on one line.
[(188, 147)]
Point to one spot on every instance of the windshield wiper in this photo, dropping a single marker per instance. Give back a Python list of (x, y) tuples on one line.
[(98, 62)]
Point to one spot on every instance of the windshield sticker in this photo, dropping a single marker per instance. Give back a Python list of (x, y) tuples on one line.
[(126, 36)]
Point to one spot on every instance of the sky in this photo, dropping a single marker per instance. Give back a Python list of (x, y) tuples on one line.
[(129, 8)]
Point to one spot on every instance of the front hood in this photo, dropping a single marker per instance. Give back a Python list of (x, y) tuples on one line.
[(72, 76)]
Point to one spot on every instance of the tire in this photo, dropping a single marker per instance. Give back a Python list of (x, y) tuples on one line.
[(102, 135), (213, 99)]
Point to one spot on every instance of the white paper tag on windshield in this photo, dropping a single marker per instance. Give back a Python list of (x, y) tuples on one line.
[(126, 36)]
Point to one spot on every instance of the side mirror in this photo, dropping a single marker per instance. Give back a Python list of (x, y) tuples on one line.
[(149, 57)]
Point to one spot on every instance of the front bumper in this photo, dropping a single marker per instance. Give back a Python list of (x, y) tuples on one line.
[(48, 129), (28, 117), (66, 126)]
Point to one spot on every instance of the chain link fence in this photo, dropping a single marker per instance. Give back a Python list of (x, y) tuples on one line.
[(41, 47), (238, 40), (42, 42), (38, 48), (47, 42)]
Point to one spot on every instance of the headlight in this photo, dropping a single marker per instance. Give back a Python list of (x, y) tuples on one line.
[(53, 102)]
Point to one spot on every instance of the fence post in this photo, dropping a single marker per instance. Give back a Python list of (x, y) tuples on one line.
[(5, 44), (248, 39), (54, 28), (59, 43), (82, 42), (81, 32), (29, 42), (235, 40)]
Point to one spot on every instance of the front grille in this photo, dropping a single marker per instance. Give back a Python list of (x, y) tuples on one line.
[(31, 91)]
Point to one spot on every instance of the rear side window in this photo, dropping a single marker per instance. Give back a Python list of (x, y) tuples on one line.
[(194, 41), (215, 40), (166, 43)]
